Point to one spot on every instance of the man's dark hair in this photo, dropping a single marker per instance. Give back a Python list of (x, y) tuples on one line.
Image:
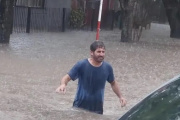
[(96, 44)]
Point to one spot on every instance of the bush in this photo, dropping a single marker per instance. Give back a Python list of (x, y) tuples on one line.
[(76, 18)]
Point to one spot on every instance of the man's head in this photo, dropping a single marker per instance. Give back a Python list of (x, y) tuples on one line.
[(97, 44), (97, 51)]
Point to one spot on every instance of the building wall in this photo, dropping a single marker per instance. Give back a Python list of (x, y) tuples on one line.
[(58, 3), (54, 5), (93, 6)]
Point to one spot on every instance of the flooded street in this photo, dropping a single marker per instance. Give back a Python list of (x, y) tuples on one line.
[(33, 64)]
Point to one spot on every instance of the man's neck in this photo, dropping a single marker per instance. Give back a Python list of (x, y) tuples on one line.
[(94, 63)]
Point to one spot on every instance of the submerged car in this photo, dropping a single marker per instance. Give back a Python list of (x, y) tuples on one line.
[(162, 104)]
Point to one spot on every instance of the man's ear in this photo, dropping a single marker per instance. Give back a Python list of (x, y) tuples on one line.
[(91, 53)]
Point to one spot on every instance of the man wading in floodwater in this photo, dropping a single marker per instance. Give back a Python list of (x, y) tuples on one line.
[(92, 74)]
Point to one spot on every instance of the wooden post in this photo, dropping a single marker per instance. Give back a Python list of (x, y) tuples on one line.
[(112, 23), (92, 19), (63, 20), (28, 25)]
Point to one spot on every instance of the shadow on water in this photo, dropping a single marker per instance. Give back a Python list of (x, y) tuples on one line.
[(73, 114)]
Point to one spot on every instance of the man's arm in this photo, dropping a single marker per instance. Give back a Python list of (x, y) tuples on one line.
[(63, 84), (116, 90)]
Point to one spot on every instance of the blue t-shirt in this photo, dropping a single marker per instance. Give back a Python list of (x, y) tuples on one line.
[(91, 84)]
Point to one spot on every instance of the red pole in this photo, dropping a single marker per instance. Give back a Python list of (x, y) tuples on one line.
[(99, 20)]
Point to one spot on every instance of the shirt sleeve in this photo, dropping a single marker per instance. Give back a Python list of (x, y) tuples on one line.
[(74, 72), (111, 74)]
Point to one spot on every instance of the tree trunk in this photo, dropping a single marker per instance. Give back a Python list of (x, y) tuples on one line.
[(173, 14), (127, 27), (6, 20), (127, 18)]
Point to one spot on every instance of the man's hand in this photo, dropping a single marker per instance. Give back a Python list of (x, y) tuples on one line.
[(64, 82), (61, 89), (123, 101)]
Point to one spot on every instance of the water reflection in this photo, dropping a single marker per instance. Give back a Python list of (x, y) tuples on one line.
[(43, 45)]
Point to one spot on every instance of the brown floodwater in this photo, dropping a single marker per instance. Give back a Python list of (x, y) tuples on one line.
[(33, 64)]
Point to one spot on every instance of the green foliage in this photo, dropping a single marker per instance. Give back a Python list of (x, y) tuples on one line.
[(76, 18)]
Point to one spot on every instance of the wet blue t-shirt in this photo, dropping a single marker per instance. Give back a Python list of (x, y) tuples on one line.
[(91, 84)]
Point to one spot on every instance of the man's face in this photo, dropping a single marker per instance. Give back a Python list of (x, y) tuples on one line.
[(98, 54)]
